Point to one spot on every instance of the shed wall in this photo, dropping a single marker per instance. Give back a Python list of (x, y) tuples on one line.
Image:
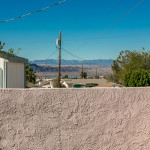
[(15, 75)]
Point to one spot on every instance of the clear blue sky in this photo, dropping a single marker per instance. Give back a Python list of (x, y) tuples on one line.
[(79, 20)]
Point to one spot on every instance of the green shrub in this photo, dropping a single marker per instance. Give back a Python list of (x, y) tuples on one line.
[(137, 79)]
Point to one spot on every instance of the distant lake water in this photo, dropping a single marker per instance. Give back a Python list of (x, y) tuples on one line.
[(69, 77)]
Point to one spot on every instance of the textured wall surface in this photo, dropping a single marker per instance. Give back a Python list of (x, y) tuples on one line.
[(75, 119)]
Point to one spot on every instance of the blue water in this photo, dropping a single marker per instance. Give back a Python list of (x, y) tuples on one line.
[(69, 77)]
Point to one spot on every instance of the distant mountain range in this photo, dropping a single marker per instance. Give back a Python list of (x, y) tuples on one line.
[(102, 62), (73, 70), (48, 68)]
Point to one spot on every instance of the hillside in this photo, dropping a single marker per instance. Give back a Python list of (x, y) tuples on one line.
[(105, 62), (74, 70)]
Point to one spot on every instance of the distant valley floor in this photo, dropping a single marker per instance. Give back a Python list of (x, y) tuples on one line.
[(71, 70)]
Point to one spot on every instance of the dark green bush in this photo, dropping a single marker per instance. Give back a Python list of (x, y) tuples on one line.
[(137, 79)]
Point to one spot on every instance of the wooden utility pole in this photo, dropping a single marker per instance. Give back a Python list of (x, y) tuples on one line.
[(82, 66), (96, 71), (82, 70), (59, 74)]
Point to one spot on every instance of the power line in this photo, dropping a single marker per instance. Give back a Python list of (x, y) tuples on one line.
[(52, 54), (30, 42), (33, 12), (109, 13), (104, 18), (73, 55), (76, 40), (95, 37)]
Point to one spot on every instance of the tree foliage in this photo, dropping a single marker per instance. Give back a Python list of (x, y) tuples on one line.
[(83, 75), (2, 46), (30, 75), (131, 63), (11, 51), (137, 79), (65, 77), (55, 83), (111, 78)]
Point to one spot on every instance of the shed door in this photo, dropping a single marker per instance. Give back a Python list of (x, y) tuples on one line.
[(1, 78)]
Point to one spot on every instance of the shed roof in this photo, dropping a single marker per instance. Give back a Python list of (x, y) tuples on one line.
[(12, 58)]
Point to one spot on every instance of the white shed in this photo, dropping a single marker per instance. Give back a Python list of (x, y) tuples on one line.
[(12, 71)]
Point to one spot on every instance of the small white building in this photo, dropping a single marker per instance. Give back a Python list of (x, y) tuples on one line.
[(12, 71), (67, 84)]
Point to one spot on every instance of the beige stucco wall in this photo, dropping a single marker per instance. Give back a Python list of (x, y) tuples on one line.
[(15, 75), (75, 119)]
